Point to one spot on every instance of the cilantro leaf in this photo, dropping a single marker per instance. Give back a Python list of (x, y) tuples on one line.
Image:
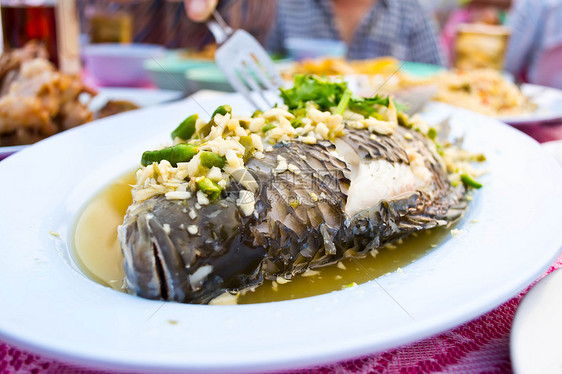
[(322, 91), (327, 94), (365, 105)]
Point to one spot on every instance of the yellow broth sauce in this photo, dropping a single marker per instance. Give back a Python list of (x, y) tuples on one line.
[(99, 255)]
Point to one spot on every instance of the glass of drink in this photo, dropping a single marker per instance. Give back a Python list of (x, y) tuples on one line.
[(24, 21), (51, 22)]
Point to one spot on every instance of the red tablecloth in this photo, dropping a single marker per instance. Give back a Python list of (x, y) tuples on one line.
[(479, 346)]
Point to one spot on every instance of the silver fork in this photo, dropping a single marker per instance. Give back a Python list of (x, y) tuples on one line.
[(245, 63)]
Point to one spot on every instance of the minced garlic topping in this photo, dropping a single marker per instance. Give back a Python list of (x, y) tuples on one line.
[(234, 138), (229, 140), (246, 202), (382, 126)]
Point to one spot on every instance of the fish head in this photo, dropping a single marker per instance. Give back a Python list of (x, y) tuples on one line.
[(180, 250)]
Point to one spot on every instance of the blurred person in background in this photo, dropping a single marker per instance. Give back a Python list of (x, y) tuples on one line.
[(369, 28), (164, 22), (534, 52), (440, 9)]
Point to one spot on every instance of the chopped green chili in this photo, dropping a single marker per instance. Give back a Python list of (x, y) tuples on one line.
[(297, 122), (403, 119), (299, 114), (174, 154), (222, 110), (210, 159), (248, 144), (185, 129), (432, 133), (468, 181), (210, 188)]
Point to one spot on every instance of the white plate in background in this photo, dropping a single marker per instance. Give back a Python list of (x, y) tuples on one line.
[(512, 236), (535, 340), (549, 106), (143, 97)]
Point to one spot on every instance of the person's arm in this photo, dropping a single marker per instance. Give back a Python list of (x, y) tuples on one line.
[(525, 23), (423, 43), (200, 10)]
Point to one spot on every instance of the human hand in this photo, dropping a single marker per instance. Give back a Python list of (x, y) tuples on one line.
[(200, 10)]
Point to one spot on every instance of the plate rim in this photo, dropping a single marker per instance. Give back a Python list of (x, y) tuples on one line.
[(524, 315)]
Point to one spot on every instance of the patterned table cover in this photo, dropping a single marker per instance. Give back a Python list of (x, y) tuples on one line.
[(479, 346)]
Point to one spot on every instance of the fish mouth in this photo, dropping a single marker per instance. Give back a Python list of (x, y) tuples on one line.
[(154, 269), (164, 294)]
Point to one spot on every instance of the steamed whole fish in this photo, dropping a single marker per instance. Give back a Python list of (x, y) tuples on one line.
[(297, 205)]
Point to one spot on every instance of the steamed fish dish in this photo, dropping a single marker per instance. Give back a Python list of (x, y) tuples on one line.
[(241, 199)]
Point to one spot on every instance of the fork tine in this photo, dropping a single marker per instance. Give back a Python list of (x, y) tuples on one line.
[(242, 88), (260, 73), (262, 59), (250, 79), (246, 65)]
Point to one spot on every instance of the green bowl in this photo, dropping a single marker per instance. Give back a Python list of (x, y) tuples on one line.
[(208, 78), (421, 70), (211, 77), (169, 72)]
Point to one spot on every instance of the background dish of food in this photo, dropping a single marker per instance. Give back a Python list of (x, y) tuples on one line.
[(484, 91), (487, 91), (381, 65), (61, 313), (549, 106), (139, 96), (36, 99), (541, 104)]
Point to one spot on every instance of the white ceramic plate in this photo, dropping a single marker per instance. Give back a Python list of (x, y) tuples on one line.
[(555, 149), (141, 97), (549, 106), (51, 308), (537, 327)]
